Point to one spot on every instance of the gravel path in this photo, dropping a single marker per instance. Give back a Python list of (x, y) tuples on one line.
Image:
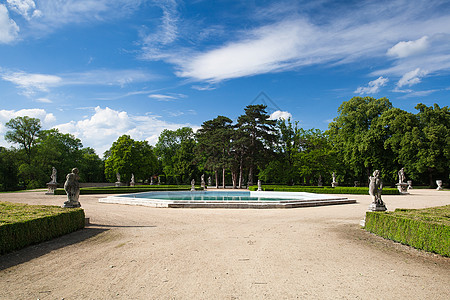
[(133, 252)]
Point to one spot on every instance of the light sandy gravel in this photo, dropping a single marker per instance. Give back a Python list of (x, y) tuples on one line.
[(133, 252)]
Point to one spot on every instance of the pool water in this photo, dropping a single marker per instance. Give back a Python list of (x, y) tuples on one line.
[(215, 196)]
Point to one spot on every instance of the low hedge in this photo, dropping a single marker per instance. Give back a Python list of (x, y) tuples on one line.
[(129, 189), (22, 225), (427, 229), (324, 189)]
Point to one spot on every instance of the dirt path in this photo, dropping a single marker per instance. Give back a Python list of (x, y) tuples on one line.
[(133, 252)]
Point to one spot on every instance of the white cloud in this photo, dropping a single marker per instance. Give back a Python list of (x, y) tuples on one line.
[(102, 128), (411, 78), (373, 87), (26, 8), (170, 97), (166, 33), (405, 49), (283, 115), (32, 82), (44, 100), (9, 30)]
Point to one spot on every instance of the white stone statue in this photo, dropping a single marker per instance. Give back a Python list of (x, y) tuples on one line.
[(72, 188), (132, 182), (319, 181), (53, 176), (192, 185), (375, 189), (203, 184), (334, 183), (209, 181), (259, 186), (439, 185), (118, 176), (401, 176)]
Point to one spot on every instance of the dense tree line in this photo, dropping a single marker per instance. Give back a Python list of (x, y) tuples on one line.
[(367, 134)]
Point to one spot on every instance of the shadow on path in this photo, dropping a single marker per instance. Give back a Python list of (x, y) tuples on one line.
[(31, 252), (121, 226)]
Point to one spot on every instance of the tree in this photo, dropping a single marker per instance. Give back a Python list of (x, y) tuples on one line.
[(281, 169), (175, 150), (432, 141), (127, 156), (214, 143), (59, 150), (255, 134), (8, 170), (24, 131), (358, 146), (92, 167)]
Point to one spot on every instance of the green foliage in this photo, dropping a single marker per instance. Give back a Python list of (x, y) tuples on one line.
[(8, 170), (22, 225), (324, 189), (91, 167), (427, 229), (129, 189), (126, 157), (24, 131), (175, 149)]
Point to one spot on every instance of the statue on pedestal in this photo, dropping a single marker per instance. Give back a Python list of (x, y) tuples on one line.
[(259, 186), (402, 186), (52, 185), (319, 181), (118, 183), (72, 188), (203, 183), (334, 182), (375, 189), (193, 185)]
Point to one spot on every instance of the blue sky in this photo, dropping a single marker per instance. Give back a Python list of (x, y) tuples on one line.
[(99, 69)]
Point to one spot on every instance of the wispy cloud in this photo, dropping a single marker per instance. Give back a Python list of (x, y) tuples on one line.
[(9, 31), (373, 87), (31, 83), (168, 97), (411, 78), (298, 37)]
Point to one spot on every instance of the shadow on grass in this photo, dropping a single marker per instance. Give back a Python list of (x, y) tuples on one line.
[(34, 251)]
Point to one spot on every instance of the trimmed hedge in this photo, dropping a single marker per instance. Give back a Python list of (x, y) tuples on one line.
[(324, 189), (129, 189), (22, 225), (427, 229)]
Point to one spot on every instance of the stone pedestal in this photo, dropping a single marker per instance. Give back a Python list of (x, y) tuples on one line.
[(377, 207), (402, 188), (117, 184), (439, 185), (52, 186), (71, 204), (409, 184), (334, 184)]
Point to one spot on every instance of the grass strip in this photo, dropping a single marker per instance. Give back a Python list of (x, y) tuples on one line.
[(22, 225), (324, 189), (129, 189), (427, 229)]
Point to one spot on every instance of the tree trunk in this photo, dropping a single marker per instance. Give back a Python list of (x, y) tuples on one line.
[(240, 174), (250, 176), (223, 177), (217, 178), (233, 178)]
